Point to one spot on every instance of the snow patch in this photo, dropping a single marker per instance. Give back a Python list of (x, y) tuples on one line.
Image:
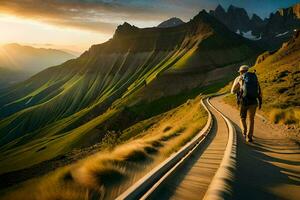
[(282, 34), (248, 35)]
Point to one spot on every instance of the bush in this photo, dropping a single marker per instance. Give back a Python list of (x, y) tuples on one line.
[(283, 74), (167, 129), (285, 116), (282, 90), (111, 139)]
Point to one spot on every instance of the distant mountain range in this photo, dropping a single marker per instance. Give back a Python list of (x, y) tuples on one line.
[(19, 62), (271, 32)]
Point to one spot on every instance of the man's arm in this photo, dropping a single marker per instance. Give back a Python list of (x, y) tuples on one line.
[(236, 86)]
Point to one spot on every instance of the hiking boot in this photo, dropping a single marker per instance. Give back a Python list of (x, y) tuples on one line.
[(250, 139)]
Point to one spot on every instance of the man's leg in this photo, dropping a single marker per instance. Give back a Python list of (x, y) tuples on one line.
[(243, 115), (251, 111)]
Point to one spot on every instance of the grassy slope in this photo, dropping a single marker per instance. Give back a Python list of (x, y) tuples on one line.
[(151, 142), (86, 97), (279, 76)]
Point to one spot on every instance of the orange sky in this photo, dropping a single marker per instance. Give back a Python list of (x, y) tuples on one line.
[(72, 24), (24, 31), (78, 24)]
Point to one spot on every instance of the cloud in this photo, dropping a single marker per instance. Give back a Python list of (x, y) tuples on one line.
[(94, 15), (104, 15)]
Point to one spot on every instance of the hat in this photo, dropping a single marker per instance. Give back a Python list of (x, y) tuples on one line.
[(244, 68)]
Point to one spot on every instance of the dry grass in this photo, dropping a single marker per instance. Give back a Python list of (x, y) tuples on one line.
[(279, 76), (111, 171), (285, 116)]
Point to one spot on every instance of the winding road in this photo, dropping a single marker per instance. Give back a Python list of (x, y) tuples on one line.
[(219, 164)]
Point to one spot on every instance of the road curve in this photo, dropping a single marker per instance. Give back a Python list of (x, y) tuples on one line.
[(268, 168), (200, 172)]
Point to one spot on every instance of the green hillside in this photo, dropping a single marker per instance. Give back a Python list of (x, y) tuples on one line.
[(113, 86), (119, 162), (279, 76)]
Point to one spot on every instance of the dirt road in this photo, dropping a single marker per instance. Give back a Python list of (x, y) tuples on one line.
[(268, 168)]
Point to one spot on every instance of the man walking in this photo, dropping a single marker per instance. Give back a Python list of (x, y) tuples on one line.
[(249, 96)]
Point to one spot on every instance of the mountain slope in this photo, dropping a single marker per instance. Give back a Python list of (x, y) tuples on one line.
[(107, 88), (279, 76), (281, 25), (279, 73), (20, 62)]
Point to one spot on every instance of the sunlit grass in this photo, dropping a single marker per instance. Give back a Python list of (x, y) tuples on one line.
[(113, 169), (279, 77)]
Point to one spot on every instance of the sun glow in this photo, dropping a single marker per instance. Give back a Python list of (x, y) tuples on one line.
[(24, 31), (8, 60)]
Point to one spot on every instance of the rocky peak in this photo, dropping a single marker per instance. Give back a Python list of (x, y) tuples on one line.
[(255, 18), (172, 22), (202, 15), (296, 10), (238, 12), (285, 20), (233, 8), (220, 9), (125, 29), (291, 12), (219, 12), (126, 26), (235, 18)]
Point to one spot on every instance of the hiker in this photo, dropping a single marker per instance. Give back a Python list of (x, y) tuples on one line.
[(247, 89)]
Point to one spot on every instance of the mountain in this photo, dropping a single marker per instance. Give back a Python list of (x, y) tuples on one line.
[(114, 85), (19, 62), (281, 25), (174, 21), (270, 32), (257, 25), (286, 19), (236, 19)]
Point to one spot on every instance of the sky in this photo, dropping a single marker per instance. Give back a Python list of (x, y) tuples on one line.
[(77, 24)]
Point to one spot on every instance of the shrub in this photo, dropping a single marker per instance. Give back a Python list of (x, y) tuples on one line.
[(283, 74), (285, 116), (282, 90), (111, 139), (167, 129)]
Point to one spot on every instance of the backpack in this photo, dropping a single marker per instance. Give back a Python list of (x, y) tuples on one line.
[(250, 88)]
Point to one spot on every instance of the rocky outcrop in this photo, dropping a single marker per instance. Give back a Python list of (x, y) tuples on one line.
[(235, 18), (271, 32), (283, 21)]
